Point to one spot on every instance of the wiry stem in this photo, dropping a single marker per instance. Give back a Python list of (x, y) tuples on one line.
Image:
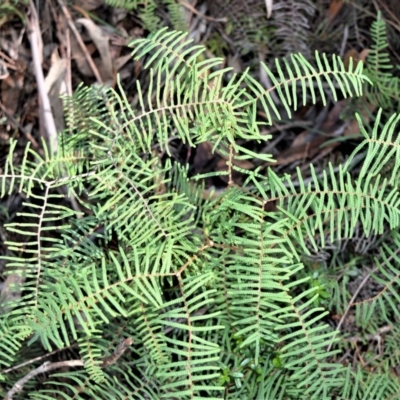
[(48, 366)]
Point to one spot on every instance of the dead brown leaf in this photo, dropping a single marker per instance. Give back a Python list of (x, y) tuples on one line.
[(334, 8), (307, 145), (102, 41), (351, 54)]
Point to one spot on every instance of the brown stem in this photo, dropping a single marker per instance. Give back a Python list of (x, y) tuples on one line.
[(48, 366)]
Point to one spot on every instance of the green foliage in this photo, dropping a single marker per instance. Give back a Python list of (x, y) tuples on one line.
[(12, 8), (287, 31), (291, 23), (386, 89), (149, 12), (212, 290)]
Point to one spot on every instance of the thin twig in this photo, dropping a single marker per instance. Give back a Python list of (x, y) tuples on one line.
[(145, 203), (48, 366), (364, 10), (78, 37), (118, 352), (352, 301), (68, 74), (65, 48), (10, 62), (45, 367), (6, 371), (387, 9), (33, 36)]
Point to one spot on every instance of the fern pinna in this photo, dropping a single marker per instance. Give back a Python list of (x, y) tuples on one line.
[(148, 288)]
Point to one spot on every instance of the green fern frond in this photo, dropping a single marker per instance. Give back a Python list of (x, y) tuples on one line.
[(386, 86), (212, 292), (13, 332), (91, 354), (369, 386), (333, 207), (385, 275), (298, 72), (382, 148), (147, 12)]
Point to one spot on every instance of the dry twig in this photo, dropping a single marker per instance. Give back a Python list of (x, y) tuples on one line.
[(45, 367), (48, 366), (46, 113), (78, 37)]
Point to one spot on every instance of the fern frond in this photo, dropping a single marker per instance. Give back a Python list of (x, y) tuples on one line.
[(13, 331), (386, 277), (382, 149), (291, 21), (147, 12), (386, 86), (368, 386), (145, 8), (298, 72), (212, 292), (333, 207), (91, 354)]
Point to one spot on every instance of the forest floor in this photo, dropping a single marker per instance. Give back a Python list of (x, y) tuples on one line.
[(50, 47)]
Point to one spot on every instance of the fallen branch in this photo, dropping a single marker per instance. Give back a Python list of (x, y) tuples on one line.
[(48, 366), (45, 367)]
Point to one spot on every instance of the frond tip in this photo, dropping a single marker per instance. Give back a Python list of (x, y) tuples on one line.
[(298, 73)]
